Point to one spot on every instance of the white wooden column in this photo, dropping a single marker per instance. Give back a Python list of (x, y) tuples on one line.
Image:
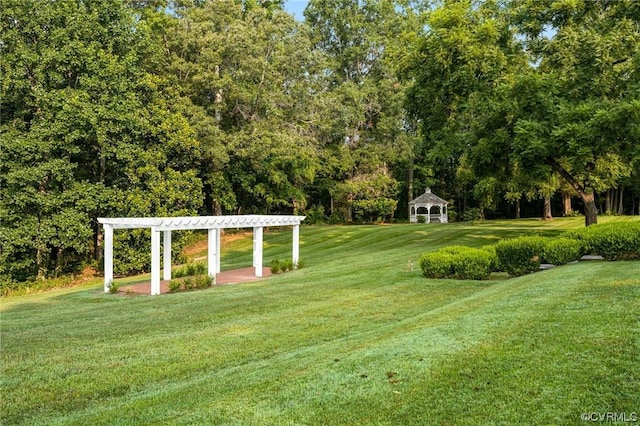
[(155, 261), (257, 250), (296, 245), (108, 256), (166, 237), (213, 252), (428, 213)]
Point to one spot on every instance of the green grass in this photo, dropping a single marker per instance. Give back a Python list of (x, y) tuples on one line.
[(352, 338)]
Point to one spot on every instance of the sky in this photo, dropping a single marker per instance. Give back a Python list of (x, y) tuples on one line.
[(296, 7)]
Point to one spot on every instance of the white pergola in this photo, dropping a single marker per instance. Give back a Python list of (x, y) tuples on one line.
[(214, 224)]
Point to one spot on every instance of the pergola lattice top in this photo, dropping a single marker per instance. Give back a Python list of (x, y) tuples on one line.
[(201, 222)]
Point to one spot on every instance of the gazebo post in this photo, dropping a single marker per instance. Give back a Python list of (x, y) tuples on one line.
[(257, 250), (155, 261), (108, 257), (296, 245), (166, 237)]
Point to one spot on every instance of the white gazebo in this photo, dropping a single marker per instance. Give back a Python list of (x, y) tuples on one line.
[(421, 207), (214, 224)]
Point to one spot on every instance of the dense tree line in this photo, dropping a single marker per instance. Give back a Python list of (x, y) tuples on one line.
[(186, 107)]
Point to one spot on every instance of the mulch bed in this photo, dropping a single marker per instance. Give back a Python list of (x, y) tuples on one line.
[(236, 276)]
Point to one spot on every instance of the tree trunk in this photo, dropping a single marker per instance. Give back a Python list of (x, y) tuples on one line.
[(620, 204), (547, 209), (410, 180), (590, 209), (566, 203), (607, 201), (517, 209)]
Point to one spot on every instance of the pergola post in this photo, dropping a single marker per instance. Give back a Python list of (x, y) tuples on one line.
[(108, 257), (257, 250), (155, 261), (296, 245), (428, 213), (213, 251), (167, 255)]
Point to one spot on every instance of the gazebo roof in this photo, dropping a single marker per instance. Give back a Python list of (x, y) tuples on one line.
[(429, 198)]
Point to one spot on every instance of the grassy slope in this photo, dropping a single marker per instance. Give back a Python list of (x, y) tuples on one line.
[(353, 338)]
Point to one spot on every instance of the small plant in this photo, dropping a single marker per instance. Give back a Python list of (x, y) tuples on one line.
[(113, 287), (421, 219), (204, 281), (128, 290), (286, 265), (276, 268), (174, 285), (188, 283), (299, 264)]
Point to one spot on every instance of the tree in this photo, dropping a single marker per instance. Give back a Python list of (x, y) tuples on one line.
[(84, 124)]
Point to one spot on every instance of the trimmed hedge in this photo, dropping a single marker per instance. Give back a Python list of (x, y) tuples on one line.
[(473, 264), (522, 255), (437, 264), (559, 251), (463, 262), (613, 241)]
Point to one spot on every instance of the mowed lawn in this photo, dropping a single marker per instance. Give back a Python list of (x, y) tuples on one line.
[(354, 338)]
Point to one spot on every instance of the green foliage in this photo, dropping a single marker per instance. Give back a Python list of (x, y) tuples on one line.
[(189, 270), (300, 264), (519, 256), (421, 219), (472, 214), (113, 287), (174, 285), (473, 264), (559, 251), (464, 262), (613, 241), (276, 266), (315, 215), (437, 264), (495, 261)]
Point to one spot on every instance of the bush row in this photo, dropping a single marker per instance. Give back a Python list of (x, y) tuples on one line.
[(278, 266), (192, 283), (613, 241), (523, 255), (458, 261), (189, 270)]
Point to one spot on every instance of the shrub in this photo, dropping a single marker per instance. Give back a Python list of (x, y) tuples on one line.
[(299, 264), (188, 283), (204, 281), (421, 219), (519, 256), (454, 249), (437, 264), (613, 241), (559, 251), (174, 285), (472, 264), (275, 266), (495, 261), (286, 265), (113, 287)]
